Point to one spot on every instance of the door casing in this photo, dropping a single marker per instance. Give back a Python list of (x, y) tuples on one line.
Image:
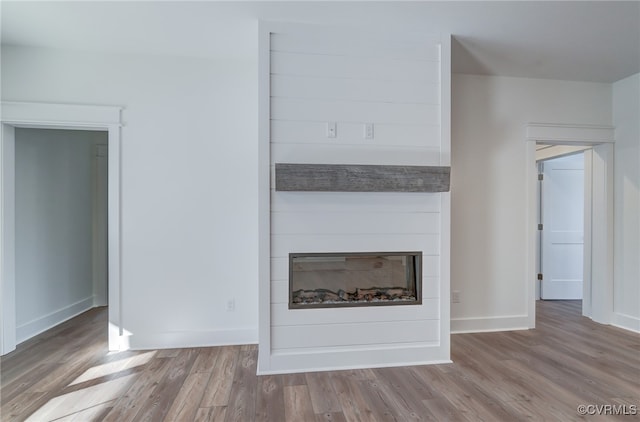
[(70, 117), (598, 295)]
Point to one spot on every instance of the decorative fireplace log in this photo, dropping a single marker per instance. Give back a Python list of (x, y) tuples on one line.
[(375, 294)]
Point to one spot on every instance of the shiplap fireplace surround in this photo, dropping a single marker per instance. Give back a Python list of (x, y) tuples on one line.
[(343, 192)]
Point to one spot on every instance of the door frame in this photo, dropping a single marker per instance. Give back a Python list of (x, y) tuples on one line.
[(99, 223), (598, 296), (70, 117)]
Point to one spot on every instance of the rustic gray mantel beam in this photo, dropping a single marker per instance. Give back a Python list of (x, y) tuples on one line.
[(361, 178)]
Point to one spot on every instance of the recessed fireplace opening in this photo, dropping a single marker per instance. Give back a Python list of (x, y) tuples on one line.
[(328, 280)]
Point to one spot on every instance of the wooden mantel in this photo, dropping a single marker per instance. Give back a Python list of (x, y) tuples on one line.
[(361, 178)]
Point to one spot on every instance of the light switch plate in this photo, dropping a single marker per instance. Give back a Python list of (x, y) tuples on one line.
[(332, 130), (368, 131)]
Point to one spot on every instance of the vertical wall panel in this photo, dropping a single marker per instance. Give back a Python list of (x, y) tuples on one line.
[(353, 79)]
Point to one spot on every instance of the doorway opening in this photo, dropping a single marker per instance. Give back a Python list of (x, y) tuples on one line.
[(597, 302), (60, 226), (70, 117)]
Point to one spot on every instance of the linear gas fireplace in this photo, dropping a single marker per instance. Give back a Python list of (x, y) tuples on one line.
[(327, 280)]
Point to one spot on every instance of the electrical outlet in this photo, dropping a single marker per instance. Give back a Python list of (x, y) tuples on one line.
[(231, 305), (455, 296)]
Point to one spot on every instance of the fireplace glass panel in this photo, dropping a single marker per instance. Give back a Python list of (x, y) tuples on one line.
[(321, 280)]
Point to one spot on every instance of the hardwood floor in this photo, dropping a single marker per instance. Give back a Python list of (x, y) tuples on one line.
[(66, 374)]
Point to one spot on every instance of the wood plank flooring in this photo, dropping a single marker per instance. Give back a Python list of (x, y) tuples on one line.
[(66, 374)]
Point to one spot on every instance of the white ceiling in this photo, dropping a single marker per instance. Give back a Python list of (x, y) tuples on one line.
[(575, 40)]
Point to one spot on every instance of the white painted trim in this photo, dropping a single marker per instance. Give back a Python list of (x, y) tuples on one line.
[(602, 210), (33, 328), (182, 339), (7, 241), (626, 322), (445, 197), (538, 246), (56, 115), (445, 273), (557, 151), (445, 100), (588, 233), (478, 325), (324, 359), (264, 197), (355, 366), (602, 235), (114, 193), (59, 116), (569, 134), (531, 231), (99, 195), (368, 366)]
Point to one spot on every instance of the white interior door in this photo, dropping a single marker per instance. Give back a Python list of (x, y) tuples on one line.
[(563, 228)]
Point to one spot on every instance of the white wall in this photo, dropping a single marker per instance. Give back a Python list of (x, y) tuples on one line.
[(353, 78), (190, 127), (54, 277), (189, 191), (626, 119), (488, 249)]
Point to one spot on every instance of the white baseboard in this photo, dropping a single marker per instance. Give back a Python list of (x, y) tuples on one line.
[(45, 322), (331, 359), (478, 325), (181, 339), (626, 322)]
